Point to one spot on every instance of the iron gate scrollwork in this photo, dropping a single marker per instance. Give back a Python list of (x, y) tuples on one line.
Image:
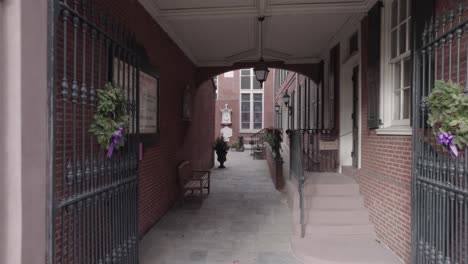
[(440, 181), (94, 198)]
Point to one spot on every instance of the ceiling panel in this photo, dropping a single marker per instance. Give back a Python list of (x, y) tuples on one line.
[(216, 39), (302, 35), (197, 4), (220, 32)]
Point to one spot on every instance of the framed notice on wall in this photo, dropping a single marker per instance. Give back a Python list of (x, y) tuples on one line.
[(147, 96), (149, 103)]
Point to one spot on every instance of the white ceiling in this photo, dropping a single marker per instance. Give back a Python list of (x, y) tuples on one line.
[(222, 32)]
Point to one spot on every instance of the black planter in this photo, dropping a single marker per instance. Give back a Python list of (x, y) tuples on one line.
[(221, 158)]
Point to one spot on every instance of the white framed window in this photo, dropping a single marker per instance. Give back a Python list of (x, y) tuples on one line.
[(397, 68), (251, 102)]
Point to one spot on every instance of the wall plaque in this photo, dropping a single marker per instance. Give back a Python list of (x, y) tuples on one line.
[(328, 145), (123, 74), (148, 104)]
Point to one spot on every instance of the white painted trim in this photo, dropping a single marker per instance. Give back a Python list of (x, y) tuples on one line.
[(352, 25), (387, 82), (395, 130), (316, 8), (251, 92)]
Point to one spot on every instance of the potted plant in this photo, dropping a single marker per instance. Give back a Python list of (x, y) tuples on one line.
[(274, 138), (221, 148), (240, 145)]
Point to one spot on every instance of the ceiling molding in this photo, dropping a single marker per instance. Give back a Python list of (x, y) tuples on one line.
[(312, 60), (348, 27), (167, 18), (209, 13), (223, 63), (277, 54), (241, 55), (314, 8)]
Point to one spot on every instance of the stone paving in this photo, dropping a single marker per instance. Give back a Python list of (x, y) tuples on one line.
[(244, 218)]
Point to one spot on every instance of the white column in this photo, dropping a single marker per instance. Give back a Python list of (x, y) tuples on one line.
[(23, 130)]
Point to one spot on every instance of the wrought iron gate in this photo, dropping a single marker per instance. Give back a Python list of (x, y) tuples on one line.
[(94, 198), (440, 181)]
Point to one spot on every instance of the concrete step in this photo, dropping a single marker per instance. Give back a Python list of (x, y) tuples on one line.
[(335, 249), (345, 189), (315, 178), (321, 230), (337, 217), (334, 202)]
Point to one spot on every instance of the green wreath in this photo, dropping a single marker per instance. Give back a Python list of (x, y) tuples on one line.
[(448, 114), (110, 120)]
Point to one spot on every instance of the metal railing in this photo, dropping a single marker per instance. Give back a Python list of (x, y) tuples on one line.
[(314, 158), (256, 141), (296, 165)]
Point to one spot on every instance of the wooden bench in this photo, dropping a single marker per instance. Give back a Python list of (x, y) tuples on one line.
[(191, 180)]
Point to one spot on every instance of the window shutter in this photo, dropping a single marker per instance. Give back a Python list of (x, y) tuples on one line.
[(373, 66)]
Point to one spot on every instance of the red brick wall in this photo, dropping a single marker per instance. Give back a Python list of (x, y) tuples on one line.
[(385, 177), (228, 93), (179, 140)]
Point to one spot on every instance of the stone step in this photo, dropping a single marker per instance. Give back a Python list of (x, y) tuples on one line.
[(337, 217), (334, 202), (347, 189), (321, 230), (337, 249)]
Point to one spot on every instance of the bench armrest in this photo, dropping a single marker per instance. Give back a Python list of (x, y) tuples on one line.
[(198, 171), (204, 172)]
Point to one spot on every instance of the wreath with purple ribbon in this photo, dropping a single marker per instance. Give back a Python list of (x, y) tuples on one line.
[(448, 115), (110, 120)]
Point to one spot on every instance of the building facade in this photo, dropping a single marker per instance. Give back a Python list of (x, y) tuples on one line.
[(251, 104), (368, 106)]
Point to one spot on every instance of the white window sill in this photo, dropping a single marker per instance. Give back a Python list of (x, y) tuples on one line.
[(249, 131), (395, 131)]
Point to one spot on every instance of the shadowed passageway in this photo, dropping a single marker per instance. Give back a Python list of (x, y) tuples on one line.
[(244, 218)]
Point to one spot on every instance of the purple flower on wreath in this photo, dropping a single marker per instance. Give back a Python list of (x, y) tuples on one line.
[(445, 138), (115, 140)]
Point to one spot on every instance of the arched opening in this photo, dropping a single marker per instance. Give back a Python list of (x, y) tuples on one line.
[(244, 109)]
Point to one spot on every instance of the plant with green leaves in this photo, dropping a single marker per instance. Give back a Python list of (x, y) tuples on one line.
[(274, 137), (220, 145), (448, 113), (234, 145), (111, 117)]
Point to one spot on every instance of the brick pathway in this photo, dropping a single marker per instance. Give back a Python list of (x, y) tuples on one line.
[(244, 218)]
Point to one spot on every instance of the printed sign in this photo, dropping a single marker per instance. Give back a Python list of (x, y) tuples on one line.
[(148, 104), (123, 76), (328, 145)]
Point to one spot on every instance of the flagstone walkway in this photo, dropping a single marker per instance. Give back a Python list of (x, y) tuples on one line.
[(244, 218)]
